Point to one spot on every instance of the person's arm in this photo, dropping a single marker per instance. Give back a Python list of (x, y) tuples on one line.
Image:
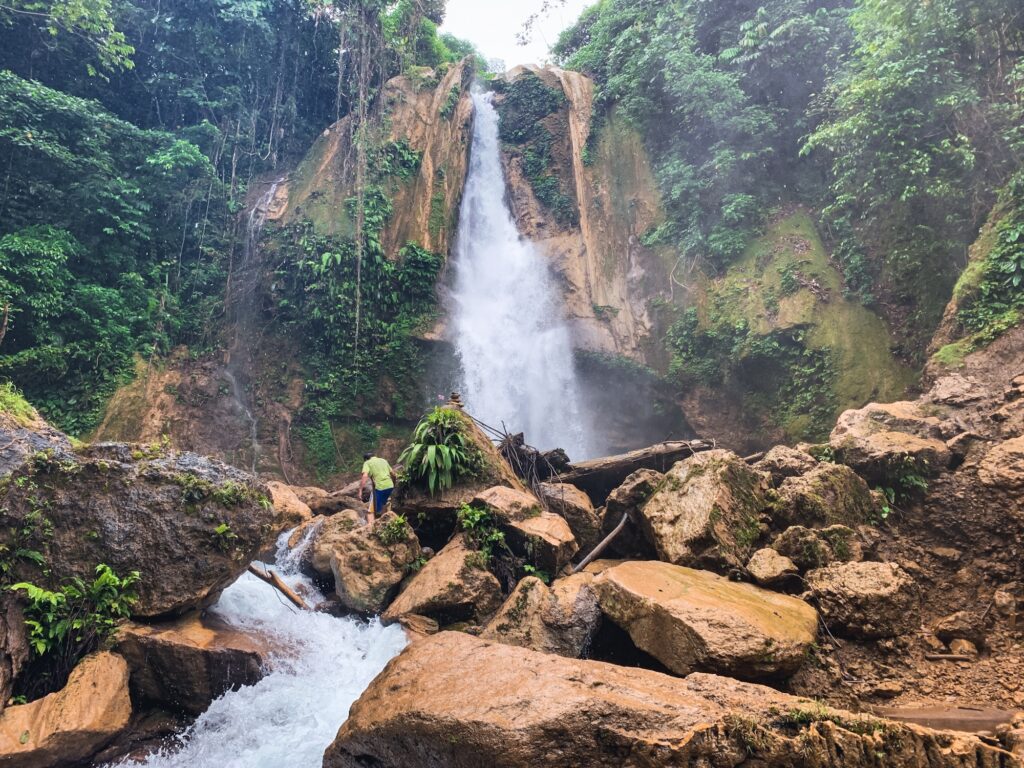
[(394, 475)]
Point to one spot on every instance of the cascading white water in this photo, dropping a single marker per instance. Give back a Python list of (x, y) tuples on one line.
[(508, 328), (290, 717)]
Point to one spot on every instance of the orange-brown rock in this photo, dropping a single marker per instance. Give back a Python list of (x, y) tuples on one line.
[(370, 562), (185, 664), (698, 621), (455, 701), (826, 495), (561, 619), (451, 587), (332, 533), (1003, 466), (781, 462), (869, 439), (543, 538), (866, 600), (575, 506), (707, 512), (67, 727), (290, 510)]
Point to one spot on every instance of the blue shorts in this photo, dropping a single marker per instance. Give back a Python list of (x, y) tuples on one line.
[(380, 499)]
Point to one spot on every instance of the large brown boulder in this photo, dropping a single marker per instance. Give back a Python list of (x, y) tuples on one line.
[(782, 461), (184, 664), (768, 568), (698, 621), (830, 494), (289, 508), (24, 435), (1003, 466), (13, 645), (331, 533), (188, 524), (811, 548), (628, 499), (455, 701), (707, 512), (575, 506), (67, 727), (561, 619), (451, 587), (866, 600), (369, 563), (544, 539), (872, 438)]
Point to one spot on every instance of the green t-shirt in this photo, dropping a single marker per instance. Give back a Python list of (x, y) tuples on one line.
[(380, 472)]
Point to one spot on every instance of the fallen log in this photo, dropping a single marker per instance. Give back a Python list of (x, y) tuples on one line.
[(948, 657), (277, 583), (599, 477), (601, 546)]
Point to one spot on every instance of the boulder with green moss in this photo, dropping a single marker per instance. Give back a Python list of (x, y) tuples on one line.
[(561, 619), (543, 538), (830, 494), (810, 548), (708, 512), (188, 524)]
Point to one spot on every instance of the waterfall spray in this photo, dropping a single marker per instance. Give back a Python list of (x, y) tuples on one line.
[(508, 328)]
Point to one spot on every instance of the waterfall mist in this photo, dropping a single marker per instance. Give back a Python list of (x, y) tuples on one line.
[(507, 325)]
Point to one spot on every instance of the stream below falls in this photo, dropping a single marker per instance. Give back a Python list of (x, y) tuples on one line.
[(321, 665)]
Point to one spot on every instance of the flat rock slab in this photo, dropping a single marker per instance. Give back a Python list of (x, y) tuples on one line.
[(693, 620), (69, 726), (183, 665), (455, 701)]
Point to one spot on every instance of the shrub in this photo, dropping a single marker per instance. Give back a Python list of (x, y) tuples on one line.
[(66, 624), (439, 453)]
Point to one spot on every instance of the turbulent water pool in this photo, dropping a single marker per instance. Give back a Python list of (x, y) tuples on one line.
[(321, 666)]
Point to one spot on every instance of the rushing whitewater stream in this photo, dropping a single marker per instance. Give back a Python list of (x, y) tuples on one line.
[(507, 326), (290, 717)]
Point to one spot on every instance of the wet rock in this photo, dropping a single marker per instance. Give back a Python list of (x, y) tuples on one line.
[(13, 645), (339, 501), (866, 600), (695, 620), (332, 533), (67, 727), (1003, 466), (450, 588), (418, 626), (575, 506), (827, 495), (768, 567), (22, 438), (370, 562), (707, 512), (543, 538), (290, 510), (188, 524), (544, 711), (871, 438), (183, 665), (815, 548), (782, 461), (561, 620), (628, 498)]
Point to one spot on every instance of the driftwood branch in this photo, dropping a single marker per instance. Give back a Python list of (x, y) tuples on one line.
[(277, 583), (948, 657), (601, 547)]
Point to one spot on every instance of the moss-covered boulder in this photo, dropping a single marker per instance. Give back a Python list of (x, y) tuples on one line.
[(370, 562), (810, 548), (542, 538), (188, 524), (561, 619), (698, 621), (628, 499), (452, 587), (707, 512), (830, 494), (781, 462)]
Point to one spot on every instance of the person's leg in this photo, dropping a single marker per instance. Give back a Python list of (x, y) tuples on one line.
[(380, 500), (371, 510)]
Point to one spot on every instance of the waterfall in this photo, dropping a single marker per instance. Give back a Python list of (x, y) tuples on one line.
[(508, 326), (320, 666), (243, 315)]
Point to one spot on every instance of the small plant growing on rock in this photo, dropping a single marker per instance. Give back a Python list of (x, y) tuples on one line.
[(530, 570), (224, 537), (439, 453), (481, 532), (393, 531), (71, 621)]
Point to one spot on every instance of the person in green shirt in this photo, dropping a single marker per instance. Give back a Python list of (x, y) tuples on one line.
[(382, 478)]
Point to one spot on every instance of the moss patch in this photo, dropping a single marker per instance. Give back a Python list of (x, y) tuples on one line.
[(14, 405)]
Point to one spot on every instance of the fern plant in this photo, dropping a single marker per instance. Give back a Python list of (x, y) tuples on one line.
[(440, 453)]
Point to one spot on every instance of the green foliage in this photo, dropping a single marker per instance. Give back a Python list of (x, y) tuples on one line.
[(527, 102), (14, 405), (440, 453), (224, 538), (529, 570), (481, 532), (452, 101), (71, 621), (397, 158), (394, 531)]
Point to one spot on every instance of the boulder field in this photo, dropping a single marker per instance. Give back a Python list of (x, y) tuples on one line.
[(744, 610)]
